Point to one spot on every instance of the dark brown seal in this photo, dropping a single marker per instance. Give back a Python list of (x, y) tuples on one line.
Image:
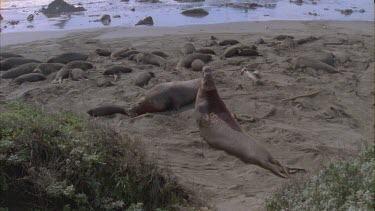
[(83, 65), (10, 63), (48, 68), (166, 96), (228, 42), (20, 70), (31, 77), (218, 127), (65, 58), (103, 52), (106, 110)]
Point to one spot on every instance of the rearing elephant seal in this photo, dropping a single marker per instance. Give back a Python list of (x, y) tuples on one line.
[(166, 96), (218, 127)]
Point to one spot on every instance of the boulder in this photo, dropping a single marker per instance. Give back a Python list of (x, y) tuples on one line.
[(60, 6), (198, 12), (147, 21)]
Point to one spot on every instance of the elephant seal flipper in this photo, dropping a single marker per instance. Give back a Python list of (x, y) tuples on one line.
[(218, 127)]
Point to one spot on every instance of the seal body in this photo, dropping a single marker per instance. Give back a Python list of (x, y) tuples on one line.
[(83, 65), (30, 77), (65, 58), (161, 54), (61, 74), (143, 78), (218, 127), (20, 70), (166, 96), (118, 54), (197, 65), (149, 58), (77, 74), (117, 69), (5, 55), (187, 48), (106, 110), (228, 42), (48, 68), (9, 63), (313, 63), (103, 52), (205, 51), (188, 59)]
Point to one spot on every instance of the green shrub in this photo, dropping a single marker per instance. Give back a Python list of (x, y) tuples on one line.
[(345, 186), (63, 162)]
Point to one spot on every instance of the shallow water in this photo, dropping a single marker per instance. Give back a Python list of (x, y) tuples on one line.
[(167, 13)]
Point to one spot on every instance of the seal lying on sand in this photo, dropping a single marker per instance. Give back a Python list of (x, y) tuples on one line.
[(48, 68), (31, 77), (187, 48), (103, 52), (166, 96), (117, 70), (65, 58), (187, 60), (77, 74), (313, 63), (60, 75), (9, 63), (5, 55), (20, 70), (106, 110), (83, 65), (142, 79), (149, 58), (218, 127)]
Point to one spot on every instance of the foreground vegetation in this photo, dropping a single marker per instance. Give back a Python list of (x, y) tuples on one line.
[(63, 162), (346, 186)]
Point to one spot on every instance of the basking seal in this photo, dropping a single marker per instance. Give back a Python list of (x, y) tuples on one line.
[(5, 55), (166, 96), (228, 42), (218, 127), (197, 65), (30, 77), (106, 110), (20, 70), (9, 63), (48, 68), (117, 70), (83, 65), (315, 64), (61, 74), (65, 58), (160, 53), (143, 78), (103, 52), (205, 51), (187, 48), (149, 58), (188, 59), (77, 74)]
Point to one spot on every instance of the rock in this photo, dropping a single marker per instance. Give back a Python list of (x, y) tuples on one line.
[(147, 21), (60, 6), (1, 17), (30, 17), (148, 1), (347, 11), (116, 16), (124, 0), (132, 9), (313, 13), (105, 19), (198, 12), (197, 65), (13, 23), (186, 1), (361, 11)]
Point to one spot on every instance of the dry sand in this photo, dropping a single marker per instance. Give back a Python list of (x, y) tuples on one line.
[(306, 132)]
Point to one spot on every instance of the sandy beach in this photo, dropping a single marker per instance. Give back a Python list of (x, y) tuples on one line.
[(307, 132)]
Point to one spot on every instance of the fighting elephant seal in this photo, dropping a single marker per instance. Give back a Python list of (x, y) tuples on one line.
[(166, 96), (218, 127)]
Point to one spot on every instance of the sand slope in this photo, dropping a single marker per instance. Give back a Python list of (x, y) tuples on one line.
[(305, 132)]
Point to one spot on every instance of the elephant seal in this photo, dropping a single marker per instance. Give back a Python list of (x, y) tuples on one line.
[(166, 96), (259, 41), (5, 55), (116, 55), (197, 65), (315, 64), (77, 74), (65, 58), (288, 43), (30, 77), (48, 68), (187, 48), (160, 53), (228, 42), (60, 75), (20, 70), (188, 59), (205, 51), (117, 70), (220, 130), (9, 63), (232, 50), (143, 78), (106, 110), (83, 65), (149, 58), (102, 52)]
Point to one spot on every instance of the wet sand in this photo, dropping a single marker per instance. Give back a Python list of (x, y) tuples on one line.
[(306, 132)]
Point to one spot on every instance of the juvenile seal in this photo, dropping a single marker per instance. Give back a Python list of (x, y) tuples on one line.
[(187, 48), (166, 96), (218, 127), (149, 58), (313, 63), (106, 110), (103, 52), (143, 78), (20, 70), (161, 54), (118, 53), (77, 74), (228, 42), (60, 75), (9, 63), (117, 70), (205, 51), (83, 65), (235, 49), (197, 65), (65, 58), (30, 77), (188, 59), (48, 68)]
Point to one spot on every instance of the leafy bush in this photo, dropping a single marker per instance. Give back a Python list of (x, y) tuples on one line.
[(346, 186), (63, 162)]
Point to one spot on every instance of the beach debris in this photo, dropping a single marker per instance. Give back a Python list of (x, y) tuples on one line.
[(30, 17), (59, 7), (282, 37), (312, 94), (147, 21), (198, 12), (346, 11), (253, 75), (105, 19), (197, 65), (228, 42)]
